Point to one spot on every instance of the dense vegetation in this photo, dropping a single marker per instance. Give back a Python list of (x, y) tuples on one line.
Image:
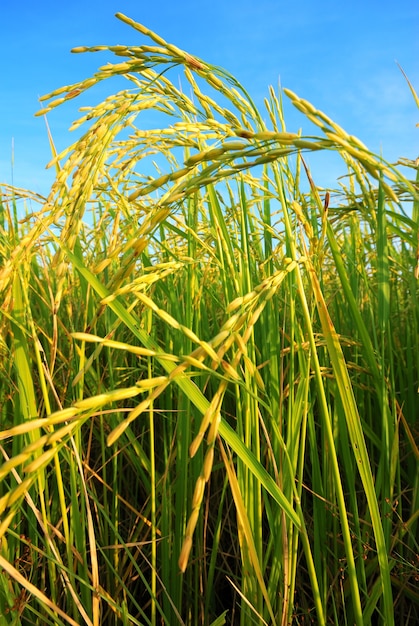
[(210, 366)]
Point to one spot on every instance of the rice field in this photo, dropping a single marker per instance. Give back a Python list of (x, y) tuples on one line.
[(209, 365)]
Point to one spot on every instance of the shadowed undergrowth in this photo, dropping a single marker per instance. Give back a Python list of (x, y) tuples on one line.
[(209, 367)]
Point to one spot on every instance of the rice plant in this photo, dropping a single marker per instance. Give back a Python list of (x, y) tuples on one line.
[(210, 365)]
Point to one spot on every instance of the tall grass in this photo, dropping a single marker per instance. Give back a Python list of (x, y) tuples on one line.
[(210, 366)]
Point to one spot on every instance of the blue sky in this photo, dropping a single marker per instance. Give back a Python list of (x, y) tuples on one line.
[(341, 56)]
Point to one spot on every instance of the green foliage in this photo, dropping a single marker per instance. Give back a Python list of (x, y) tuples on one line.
[(209, 367)]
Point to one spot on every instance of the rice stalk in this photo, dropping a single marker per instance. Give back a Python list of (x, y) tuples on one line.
[(225, 430)]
